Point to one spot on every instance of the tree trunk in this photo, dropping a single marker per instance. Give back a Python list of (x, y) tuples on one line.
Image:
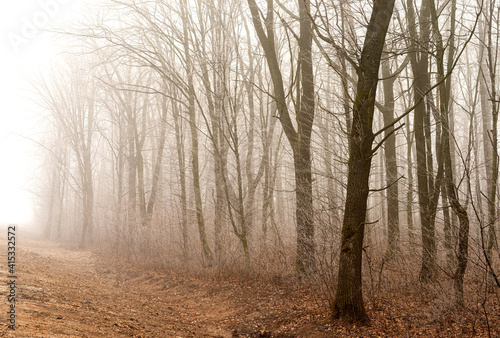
[(305, 261), (390, 163), (87, 199), (448, 242), (215, 99), (140, 138), (179, 142), (207, 253), (157, 167), (268, 173), (52, 195), (490, 133), (299, 140), (409, 193), (428, 188), (61, 196), (348, 301), (131, 170), (445, 96)]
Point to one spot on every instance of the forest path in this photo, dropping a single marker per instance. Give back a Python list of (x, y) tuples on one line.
[(79, 293), (63, 292)]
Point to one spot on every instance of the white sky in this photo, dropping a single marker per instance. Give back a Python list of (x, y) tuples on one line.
[(24, 53)]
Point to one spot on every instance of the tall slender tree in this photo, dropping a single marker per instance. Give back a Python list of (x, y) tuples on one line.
[(300, 138)]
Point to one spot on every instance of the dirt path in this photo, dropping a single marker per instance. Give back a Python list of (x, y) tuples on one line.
[(63, 292), (71, 293)]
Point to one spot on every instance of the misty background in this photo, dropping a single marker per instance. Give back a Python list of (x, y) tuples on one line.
[(28, 46)]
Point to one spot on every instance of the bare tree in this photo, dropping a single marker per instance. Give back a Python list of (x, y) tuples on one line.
[(72, 102), (300, 138), (348, 301), (428, 187)]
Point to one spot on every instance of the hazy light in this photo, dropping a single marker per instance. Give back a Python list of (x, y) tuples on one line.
[(26, 51), (16, 207)]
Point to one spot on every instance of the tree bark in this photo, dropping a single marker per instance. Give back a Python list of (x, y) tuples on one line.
[(445, 96), (391, 164), (348, 301), (490, 136), (428, 187), (409, 193), (52, 195), (179, 142), (207, 253), (157, 167), (87, 177), (299, 140)]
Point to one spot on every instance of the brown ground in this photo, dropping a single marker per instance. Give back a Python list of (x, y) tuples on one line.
[(73, 293)]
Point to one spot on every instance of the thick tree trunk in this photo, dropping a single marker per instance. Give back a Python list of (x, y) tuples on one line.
[(306, 254), (305, 258), (348, 301)]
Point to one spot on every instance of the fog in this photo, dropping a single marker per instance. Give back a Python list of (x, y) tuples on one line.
[(27, 49), (346, 150)]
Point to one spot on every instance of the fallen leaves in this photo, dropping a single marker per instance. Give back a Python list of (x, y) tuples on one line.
[(77, 295)]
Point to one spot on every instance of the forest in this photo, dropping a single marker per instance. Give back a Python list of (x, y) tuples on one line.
[(350, 146)]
